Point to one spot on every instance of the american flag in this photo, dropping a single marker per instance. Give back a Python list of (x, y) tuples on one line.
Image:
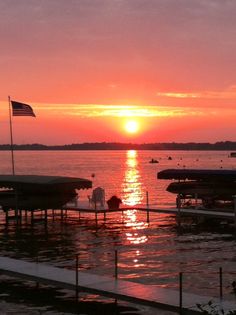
[(21, 109)]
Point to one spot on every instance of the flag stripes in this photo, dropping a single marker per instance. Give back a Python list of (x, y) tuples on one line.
[(21, 109)]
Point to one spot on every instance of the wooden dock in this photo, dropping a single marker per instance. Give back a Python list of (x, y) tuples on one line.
[(182, 212), (184, 303), (214, 213), (83, 207)]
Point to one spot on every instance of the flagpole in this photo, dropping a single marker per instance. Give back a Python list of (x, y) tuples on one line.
[(12, 153)]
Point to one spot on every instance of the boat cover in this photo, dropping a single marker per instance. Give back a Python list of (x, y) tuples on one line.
[(41, 182), (198, 174)]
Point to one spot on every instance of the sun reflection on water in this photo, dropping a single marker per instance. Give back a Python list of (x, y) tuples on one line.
[(131, 187), (133, 195)]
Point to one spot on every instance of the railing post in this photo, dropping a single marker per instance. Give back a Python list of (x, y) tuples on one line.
[(180, 293), (221, 282), (234, 199), (77, 277), (116, 264), (147, 204), (178, 204)]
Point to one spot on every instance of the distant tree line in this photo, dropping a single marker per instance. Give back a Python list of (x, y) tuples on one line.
[(222, 145)]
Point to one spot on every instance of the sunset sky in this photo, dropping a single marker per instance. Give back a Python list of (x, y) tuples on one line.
[(167, 68)]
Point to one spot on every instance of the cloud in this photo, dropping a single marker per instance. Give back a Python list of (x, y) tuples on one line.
[(92, 110), (229, 93)]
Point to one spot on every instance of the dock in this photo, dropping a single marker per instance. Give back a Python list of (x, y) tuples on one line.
[(162, 298), (101, 212)]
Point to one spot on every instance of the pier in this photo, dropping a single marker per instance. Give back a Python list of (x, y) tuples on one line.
[(173, 300), (101, 212)]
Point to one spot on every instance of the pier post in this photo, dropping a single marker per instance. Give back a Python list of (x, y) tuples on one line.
[(45, 218), (180, 293), (32, 217), (6, 219), (234, 199), (46, 214), (95, 208), (37, 262), (20, 211), (116, 264), (196, 199), (96, 218), (178, 203), (147, 205), (221, 282), (77, 277)]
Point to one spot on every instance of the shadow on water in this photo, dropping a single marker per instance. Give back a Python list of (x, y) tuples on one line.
[(47, 298)]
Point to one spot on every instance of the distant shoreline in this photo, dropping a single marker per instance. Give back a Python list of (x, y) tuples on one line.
[(189, 146)]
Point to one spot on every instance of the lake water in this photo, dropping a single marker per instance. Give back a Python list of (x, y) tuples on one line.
[(152, 253)]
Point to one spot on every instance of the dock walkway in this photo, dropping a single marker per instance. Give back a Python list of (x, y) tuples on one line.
[(83, 207), (107, 286)]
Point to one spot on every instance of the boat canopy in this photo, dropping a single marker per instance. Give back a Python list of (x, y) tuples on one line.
[(198, 174), (41, 182)]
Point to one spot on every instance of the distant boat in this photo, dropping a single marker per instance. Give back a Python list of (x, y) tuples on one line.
[(232, 154), (153, 161), (30, 192)]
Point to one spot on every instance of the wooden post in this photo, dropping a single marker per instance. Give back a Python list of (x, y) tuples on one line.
[(234, 199), (77, 277), (96, 218), (147, 204), (178, 203), (45, 217), (95, 208), (46, 214), (37, 261), (32, 217), (180, 293), (196, 198), (20, 211), (116, 264), (95, 204), (6, 219), (221, 282)]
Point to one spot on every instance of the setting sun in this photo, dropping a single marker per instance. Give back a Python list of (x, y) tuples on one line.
[(131, 126)]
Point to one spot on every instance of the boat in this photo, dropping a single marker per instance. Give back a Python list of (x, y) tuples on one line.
[(31, 192), (232, 154), (153, 161), (212, 187)]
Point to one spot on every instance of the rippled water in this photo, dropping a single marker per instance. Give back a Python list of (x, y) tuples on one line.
[(152, 253)]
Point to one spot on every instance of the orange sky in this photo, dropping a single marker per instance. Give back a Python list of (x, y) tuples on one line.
[(87, 67)]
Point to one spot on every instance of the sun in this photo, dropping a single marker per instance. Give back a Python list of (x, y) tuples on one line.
[(131, 126)]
